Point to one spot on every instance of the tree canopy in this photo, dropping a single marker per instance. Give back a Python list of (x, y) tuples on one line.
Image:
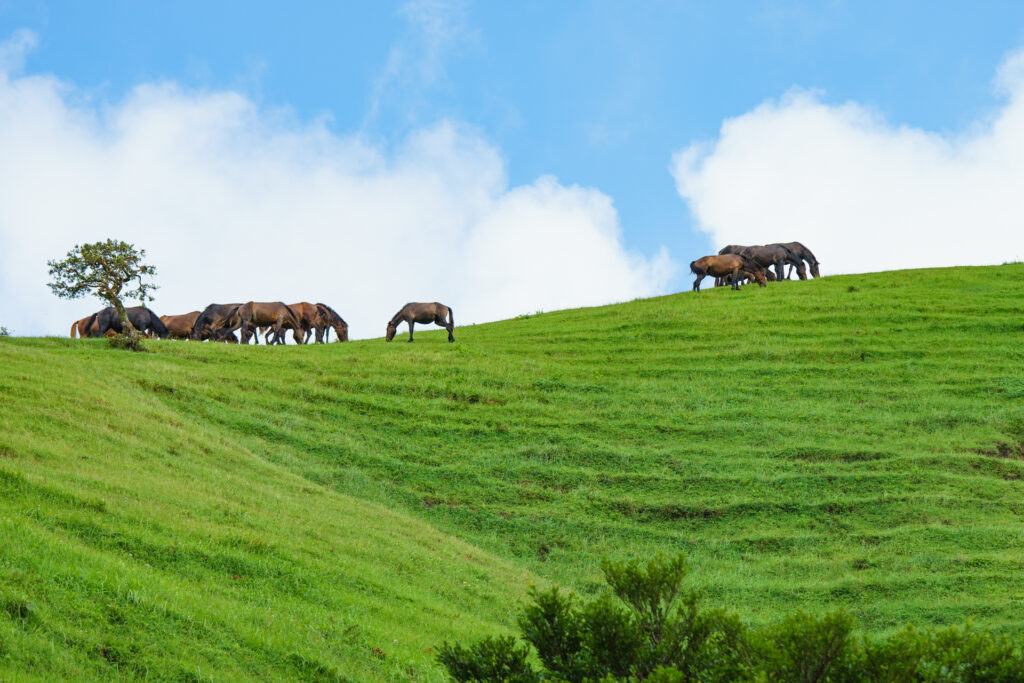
[(109, 270)]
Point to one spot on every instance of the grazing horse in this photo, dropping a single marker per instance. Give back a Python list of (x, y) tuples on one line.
[(254, 314), (306, 313), (731, 249), (423, 313), (327, 319), (180, 326), (82, 331), (804, 253), (211, 317), (732, 266), (775, 255), (141, 318)]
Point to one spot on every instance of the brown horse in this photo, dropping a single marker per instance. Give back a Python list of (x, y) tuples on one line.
[(733, 266), (307, 314), (804, 253), (78, 327), (427, 313), (254, 314), (179, 326), (327, 319)]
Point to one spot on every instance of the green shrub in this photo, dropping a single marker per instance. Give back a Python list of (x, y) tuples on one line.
[(130, 341), (491, 659), (644, 625), (4, 332), (953, 654), (803, 647), (647, 629)]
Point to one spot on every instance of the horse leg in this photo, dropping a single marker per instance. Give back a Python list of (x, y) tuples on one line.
[(780, 270), (696, 283), (440, 321), (736, 279), (410, 329)]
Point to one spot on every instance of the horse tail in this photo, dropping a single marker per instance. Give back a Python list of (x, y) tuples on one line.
[(697, 270), (84, 329), (74, 328), (451, 316)]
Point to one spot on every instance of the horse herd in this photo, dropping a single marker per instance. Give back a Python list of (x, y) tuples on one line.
[(736, 263), (220, 322)]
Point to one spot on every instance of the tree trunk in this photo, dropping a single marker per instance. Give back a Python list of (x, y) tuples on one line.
[(122, 315)]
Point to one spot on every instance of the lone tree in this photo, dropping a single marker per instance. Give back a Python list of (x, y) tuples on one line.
[(104, 269)]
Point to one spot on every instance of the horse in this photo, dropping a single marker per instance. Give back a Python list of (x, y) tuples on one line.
[(411, 313), (804, 253), (730, 249), (78, 327), (180, 326), (140, 317), (211, 316), (326, 319), (776, 255), (305, 313), (255, 314), (727, 265)]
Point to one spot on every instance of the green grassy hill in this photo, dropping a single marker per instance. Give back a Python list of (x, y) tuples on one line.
[(212, 512)]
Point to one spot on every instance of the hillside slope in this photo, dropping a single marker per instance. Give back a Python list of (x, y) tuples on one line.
[(853, 442)]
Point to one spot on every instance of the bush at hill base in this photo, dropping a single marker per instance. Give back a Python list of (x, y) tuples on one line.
[(646, 628)]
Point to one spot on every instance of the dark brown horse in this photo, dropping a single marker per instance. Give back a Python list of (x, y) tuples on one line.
[(211, 318), (776, 255), (180, 326), (328, 318), (733, 266), (804, 253), (424, 313), (140, 317), (254, 314)]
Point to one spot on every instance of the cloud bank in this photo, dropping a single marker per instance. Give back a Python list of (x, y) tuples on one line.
[(863, 194), (233, 202)]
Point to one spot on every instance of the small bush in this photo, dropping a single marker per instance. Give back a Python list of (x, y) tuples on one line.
[(130, 341), (4, 332), (491, 659)]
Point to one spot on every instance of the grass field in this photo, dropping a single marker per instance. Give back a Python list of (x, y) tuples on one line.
[(212, 512)]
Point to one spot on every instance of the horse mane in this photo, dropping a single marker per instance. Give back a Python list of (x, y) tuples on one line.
[(791, 253), (332, 312), (750, 263), (297, 318), (397, 316)]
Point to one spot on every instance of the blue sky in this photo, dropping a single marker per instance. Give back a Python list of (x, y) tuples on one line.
[(598, 94)]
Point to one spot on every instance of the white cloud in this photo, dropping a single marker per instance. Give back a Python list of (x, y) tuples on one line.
[(864, 194), (13, 50), (416, 62), (233, 202)]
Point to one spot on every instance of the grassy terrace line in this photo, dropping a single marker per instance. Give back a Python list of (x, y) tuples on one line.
[(208, 512)]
